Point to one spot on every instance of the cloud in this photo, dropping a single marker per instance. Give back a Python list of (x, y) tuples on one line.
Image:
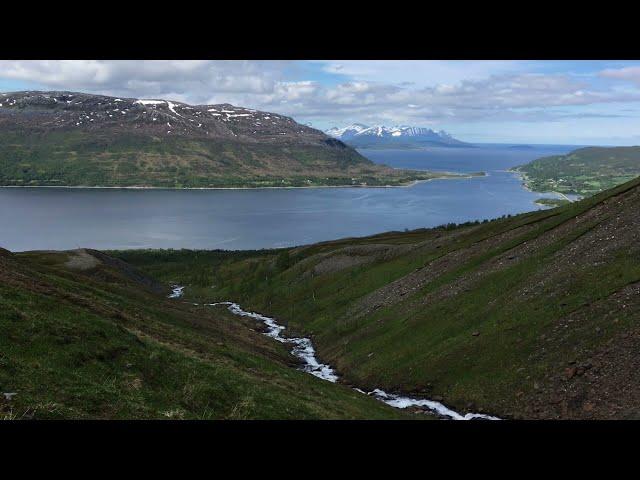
[(497, 98), (194, 80), (631, 74), (421, 73), (417, 92)]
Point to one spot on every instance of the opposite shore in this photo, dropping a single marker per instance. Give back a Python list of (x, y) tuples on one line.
[(525, 184), (449, 176)]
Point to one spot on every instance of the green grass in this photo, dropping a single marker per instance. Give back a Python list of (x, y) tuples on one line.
[(424, 341), (585, 171), (552, 202), (95, 345), (74, 158)]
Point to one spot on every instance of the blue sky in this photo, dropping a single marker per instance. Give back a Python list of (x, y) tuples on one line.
[(569, 102)]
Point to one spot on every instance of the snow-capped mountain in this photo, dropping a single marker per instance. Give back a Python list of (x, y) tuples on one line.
[(347, 132), (361, 135)]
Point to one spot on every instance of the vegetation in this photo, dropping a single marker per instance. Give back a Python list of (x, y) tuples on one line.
[(85, 336), (78, 158), (525, 316), (585, 171), (552, 202)]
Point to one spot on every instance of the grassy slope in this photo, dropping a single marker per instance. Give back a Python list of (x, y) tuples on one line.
[(496, 314), (552, 202), (93, 343), (110, 159), (584, 171)]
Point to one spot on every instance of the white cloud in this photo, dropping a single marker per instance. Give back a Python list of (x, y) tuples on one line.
[(195, 80), (631, 74), (422, 73), (417, 92), (495, 98)]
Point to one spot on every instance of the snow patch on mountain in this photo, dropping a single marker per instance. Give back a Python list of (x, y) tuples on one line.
[(346, 132), (358, 133)]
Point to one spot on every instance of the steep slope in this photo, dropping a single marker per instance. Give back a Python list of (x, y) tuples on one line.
[(532, 316), (85, 335), (584, 171), (379, 136), (66, 138)]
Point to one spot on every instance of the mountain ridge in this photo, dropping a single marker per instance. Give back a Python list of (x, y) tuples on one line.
[(77, 139), (360, 135), (163, 117)]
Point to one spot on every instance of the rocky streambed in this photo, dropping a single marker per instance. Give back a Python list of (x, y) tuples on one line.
[(302, 349)]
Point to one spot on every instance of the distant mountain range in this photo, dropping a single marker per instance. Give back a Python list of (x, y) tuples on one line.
[(403, 136)]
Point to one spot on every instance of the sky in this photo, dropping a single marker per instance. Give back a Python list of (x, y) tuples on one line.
[(519, 101)]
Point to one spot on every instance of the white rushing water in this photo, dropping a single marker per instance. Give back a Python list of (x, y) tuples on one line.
[(302, 347), (303, 350), (176, 291)]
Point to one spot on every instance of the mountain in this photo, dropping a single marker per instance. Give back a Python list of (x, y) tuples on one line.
[(358, 135), (348, 132), (68, 138), (584, 171), (87, 336), (532, 316)]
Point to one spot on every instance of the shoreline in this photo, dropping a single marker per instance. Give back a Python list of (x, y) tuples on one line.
[(523, 177), (405, 185)]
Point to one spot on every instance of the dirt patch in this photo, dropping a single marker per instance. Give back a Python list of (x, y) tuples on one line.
[(348, 257), (81, 260), (335, 263), (128, 271)]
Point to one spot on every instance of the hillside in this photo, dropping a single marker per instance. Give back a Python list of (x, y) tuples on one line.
[(403, 136), (86, 336), (531, 316), (584, 171), (77, 139)]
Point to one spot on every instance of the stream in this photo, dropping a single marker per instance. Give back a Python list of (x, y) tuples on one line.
[(302, 348)]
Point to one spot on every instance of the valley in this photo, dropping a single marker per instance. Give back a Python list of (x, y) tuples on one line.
[(178, 261), (86, 336), (522, 317)]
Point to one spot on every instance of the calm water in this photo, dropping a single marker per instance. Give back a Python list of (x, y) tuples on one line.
[(56, 218)]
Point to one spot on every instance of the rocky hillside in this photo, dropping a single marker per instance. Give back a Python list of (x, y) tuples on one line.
[(532, 316), (67, 138), (46, 111), (86, 336)]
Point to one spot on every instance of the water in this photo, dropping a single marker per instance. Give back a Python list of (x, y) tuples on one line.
[(485, 157), (59, 218), (304, 351)]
